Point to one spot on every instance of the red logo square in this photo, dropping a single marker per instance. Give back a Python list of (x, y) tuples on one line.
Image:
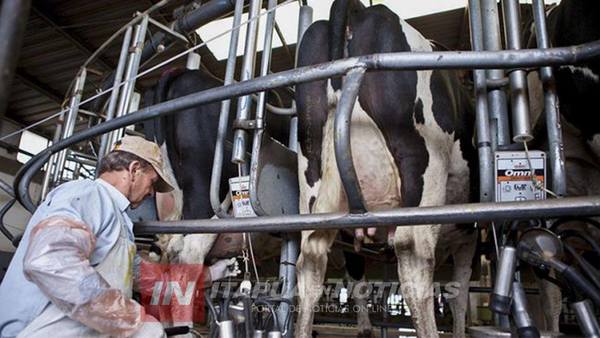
[(173, 293)]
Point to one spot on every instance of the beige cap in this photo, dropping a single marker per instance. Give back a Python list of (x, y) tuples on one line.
[(150, 152)]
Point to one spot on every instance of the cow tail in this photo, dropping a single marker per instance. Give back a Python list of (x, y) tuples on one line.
[(161, 94), (338, 21)]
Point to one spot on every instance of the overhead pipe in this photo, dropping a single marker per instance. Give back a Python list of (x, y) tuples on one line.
[(206, 13), (384, 61)]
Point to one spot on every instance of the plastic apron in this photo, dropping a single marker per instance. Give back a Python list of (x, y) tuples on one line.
[(116, 269)]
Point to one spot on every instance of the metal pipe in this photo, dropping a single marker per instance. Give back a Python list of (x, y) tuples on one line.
[(520, 314), (114, 95), (492, 41), (51, 167), (290, 246), (447, 214), (79, 160), (386, 61), (245, 102), (70, 121), (226, 329), (343, 148), (586, 319), (133, 66), (482, 121), (217, 168), (553, 125), (501, 296), (519, 96), (260, 108), (206, 13), (13, 20)]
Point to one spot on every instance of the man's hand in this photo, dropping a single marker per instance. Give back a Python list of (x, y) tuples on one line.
[(151, 328), (224, 268)]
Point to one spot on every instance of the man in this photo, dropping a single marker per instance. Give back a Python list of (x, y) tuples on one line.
[(72, 274)]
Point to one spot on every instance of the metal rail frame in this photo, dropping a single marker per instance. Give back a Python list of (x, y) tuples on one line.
[(489, 68), (386, 61)]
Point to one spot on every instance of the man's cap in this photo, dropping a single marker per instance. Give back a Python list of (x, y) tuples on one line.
[(150, 152)]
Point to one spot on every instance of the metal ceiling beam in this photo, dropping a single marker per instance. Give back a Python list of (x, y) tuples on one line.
[(42, 88), (75, 40)]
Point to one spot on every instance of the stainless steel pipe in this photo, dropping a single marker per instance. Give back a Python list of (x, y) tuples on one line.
[(553, 124)]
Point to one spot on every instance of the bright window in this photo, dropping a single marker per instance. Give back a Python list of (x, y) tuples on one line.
[(287, 19), (31, 143)]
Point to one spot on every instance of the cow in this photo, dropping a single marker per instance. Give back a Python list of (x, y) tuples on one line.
[(411, 138), (572, 22)]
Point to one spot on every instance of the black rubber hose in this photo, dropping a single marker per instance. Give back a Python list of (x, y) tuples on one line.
[(3, 228), (269, 305), (581, 235), (248, 325), (564, 220), (589, 270), (581, 284)]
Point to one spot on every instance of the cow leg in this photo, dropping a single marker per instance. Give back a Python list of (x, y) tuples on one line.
[(463, 256), (415, 245), (360, 295), (415, 271), (195, 249), (311, 267), (551, 301)]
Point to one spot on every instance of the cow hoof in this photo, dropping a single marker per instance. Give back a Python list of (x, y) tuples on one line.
[(365, 334)]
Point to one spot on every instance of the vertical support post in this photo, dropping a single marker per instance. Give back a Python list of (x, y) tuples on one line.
[(342, 146), (265, 65), (290, 246), (217, 168), (518, 81), (51, 166), (553, 125), (498, 108), (245, 102), (114, 95), (133, 65), (484, 141), (13, 20), (70, 122)]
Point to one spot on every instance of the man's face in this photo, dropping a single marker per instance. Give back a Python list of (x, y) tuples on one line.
[(142, 185)]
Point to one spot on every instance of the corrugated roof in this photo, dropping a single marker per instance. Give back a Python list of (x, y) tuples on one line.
[(61, 35)]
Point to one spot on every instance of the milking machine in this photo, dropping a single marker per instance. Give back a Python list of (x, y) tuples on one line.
[(242, 315), (545, 251)]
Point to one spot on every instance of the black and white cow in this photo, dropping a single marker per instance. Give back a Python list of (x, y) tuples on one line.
[(411, 144), (572, 22)]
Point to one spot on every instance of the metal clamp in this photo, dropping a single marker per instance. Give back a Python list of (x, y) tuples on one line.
[(245, 124)]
